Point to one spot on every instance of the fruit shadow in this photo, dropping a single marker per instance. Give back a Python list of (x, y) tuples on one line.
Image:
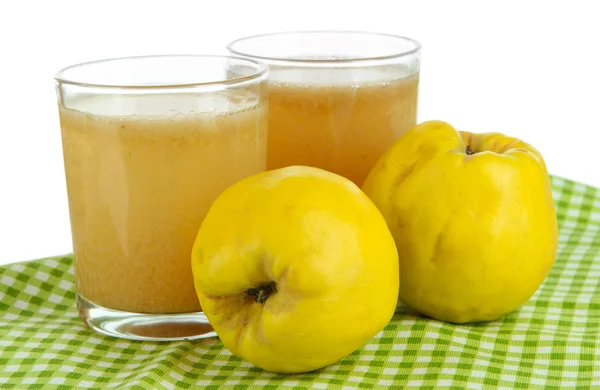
[(405, 315)]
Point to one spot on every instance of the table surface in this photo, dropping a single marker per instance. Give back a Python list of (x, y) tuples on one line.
[(551, 342)]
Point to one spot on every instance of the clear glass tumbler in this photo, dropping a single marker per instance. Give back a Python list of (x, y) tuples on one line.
[(149, 143), (337, 100)]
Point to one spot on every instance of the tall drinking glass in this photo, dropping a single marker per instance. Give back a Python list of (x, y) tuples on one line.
[(337, 100), (149, 143)]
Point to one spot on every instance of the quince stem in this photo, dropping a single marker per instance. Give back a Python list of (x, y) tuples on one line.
[(262, 292)]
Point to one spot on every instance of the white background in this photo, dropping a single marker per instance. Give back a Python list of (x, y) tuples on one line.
[(530, 69)]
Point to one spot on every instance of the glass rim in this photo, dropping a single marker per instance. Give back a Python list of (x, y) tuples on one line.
[(416, 48), (262, 71)]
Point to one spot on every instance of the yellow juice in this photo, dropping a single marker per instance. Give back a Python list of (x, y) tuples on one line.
[(340, 120), (139, 187)]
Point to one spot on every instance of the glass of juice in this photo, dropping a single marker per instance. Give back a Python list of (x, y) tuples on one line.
[(148, 144), (337, 100)]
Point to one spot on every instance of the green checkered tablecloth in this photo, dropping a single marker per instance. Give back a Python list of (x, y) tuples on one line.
[(551, 342)]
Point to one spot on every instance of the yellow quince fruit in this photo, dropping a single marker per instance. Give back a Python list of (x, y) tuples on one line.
[(473, 220), (295, 269)]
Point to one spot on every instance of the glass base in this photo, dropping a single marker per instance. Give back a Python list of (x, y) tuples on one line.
[(138, 326)]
